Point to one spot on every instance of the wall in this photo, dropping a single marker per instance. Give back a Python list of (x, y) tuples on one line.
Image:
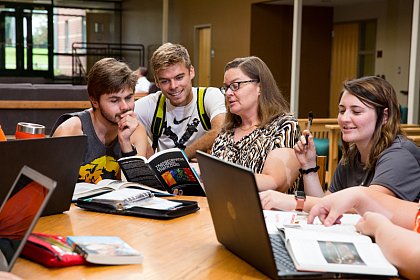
[(235, 32), (393, 37), (271, 40), (230, 29), (142, 24)]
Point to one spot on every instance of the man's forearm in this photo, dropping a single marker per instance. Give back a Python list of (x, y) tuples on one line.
[(204, 143)]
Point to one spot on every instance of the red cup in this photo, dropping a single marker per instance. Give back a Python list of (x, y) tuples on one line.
[(26, 130), (2, 136)]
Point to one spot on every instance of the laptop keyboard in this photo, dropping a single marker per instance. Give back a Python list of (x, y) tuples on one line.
[(284, 262)]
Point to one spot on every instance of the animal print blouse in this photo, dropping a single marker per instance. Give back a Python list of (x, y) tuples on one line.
[(251, 150)]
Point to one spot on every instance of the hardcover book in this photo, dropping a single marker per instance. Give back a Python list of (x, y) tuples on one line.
[(110, 250)]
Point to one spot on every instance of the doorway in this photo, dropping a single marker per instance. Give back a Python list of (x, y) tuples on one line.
[(203, 55), (25, 48), (352, 56)]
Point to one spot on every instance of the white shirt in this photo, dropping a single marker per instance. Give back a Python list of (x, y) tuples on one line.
[(178, 118), (142, 85)]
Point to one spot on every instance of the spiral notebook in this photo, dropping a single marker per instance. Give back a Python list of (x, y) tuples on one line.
[(130, 197)]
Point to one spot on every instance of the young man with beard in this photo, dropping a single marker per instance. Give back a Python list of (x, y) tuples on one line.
[(189, 117), (111, 125)]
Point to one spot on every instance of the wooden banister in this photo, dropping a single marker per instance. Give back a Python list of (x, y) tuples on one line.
[(49, 104), (43, 104)]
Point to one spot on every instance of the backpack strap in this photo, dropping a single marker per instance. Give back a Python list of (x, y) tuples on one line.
[(158, 119), (204, 118), (160, 111)]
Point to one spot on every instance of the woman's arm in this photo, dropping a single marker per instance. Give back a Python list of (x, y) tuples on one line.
[(306, 155), (280, 170), (362, 200), (400, 246)]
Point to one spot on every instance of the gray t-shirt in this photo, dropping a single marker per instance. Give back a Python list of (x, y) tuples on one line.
[(398, 169)]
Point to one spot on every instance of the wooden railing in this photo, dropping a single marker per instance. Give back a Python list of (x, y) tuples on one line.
[(49, 104), (43, 104)]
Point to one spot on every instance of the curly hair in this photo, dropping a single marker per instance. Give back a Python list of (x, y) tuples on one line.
[(378, 94)]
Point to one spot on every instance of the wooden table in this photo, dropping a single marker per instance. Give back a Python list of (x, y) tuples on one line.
[(182, 248)]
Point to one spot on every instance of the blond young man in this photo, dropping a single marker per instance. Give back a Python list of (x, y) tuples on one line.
[(182, 125)]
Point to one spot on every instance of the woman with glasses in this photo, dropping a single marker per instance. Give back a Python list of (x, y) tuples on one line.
[(258, 132)]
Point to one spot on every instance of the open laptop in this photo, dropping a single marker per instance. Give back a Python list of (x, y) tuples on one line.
[(59, 158), (20, 211), (239, 223)]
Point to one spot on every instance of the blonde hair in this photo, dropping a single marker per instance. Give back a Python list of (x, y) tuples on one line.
[(169, 54)]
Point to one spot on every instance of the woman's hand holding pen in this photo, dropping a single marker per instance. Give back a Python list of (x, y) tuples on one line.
[(306, 154)]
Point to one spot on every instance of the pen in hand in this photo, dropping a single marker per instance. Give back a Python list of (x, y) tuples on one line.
[(310, 117)]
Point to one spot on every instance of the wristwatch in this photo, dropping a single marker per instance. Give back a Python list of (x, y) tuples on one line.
[(300, 200)]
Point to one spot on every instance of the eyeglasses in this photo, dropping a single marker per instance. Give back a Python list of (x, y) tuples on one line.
[(236, 85)]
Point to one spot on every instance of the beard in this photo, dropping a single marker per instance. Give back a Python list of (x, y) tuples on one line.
[(112, 119)]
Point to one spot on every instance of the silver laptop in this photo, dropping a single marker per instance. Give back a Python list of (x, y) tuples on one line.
[(239, 223), (20, 211)]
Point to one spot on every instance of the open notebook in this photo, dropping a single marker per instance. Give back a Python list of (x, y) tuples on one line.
[(20, 211)]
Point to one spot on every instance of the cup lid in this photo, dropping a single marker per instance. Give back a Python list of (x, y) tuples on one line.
[(31, 128)]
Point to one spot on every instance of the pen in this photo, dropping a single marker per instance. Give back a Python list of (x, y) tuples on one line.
[(310, 117)]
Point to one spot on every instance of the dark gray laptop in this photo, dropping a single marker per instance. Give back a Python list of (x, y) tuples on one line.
[(20, 211), (59, 158), (239, 223)]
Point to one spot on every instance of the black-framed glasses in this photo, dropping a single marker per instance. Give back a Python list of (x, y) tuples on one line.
[(236, 85)]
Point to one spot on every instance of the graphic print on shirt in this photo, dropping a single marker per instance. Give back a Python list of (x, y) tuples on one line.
[(181, 121), (191, 129), (105, 167)]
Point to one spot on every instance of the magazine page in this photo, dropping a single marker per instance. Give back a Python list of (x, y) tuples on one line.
[(175, 173), (332, 249), (339, 256)]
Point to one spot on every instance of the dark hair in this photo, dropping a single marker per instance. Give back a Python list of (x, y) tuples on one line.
[(271, 102), (141, 72), (378, 94), (109, 76)]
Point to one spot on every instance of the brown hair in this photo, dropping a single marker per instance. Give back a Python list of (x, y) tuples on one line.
[(109, 76), (169, 54), (271, 102), (378, 94)]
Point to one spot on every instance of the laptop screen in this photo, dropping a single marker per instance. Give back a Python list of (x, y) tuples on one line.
[(20, 211)]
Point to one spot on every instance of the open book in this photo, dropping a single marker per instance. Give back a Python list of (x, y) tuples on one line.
[(87, 189), (338, 248), (169, 170)]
